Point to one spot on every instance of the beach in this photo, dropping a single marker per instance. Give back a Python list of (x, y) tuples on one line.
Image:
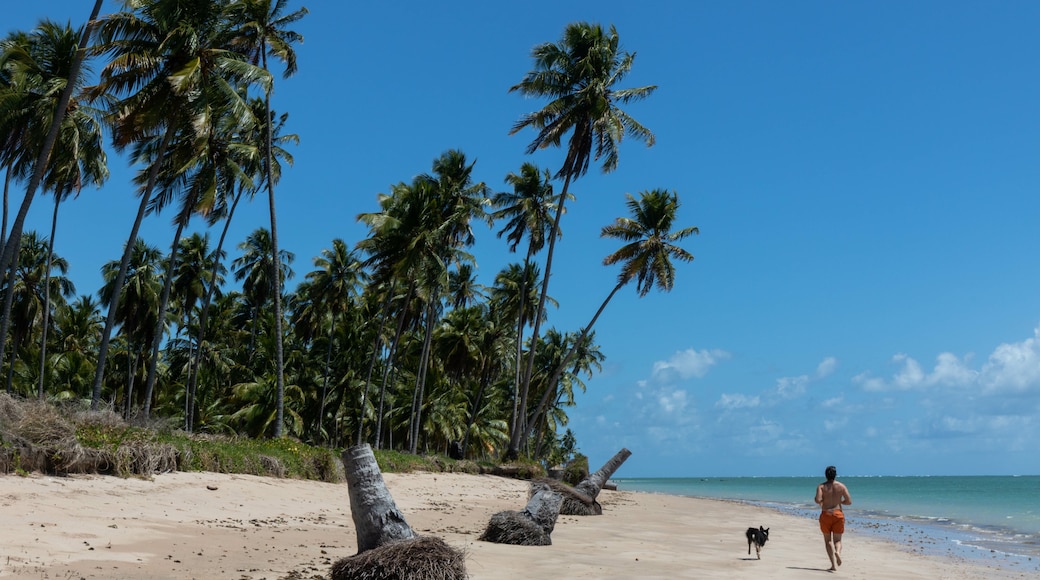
[(209, 525)]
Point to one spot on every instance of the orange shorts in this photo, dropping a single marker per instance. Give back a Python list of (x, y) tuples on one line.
[(832, 523)]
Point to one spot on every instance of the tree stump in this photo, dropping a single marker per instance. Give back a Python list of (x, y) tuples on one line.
[(531, 527), (388, 549)]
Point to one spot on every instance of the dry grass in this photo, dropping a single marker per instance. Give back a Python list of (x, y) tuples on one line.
[(421, 558)]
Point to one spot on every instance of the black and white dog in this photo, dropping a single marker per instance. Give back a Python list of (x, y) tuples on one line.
[(757, 538)]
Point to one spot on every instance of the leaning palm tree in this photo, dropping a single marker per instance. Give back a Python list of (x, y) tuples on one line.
[(261, 31), (169, 78), (39, 167), (650, 246), (40, 64), (528, 211), (579, 75)]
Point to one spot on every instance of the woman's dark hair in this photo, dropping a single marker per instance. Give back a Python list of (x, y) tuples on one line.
[(831, 473)]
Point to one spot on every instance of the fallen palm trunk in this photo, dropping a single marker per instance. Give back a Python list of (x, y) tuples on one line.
[(592, 484), (531, 527), (387, 546), (574, 502), (580, 500)]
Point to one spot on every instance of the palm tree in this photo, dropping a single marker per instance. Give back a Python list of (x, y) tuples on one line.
[(41, 64), (136, 304), (578, 75), (243, 159), (261, 31), (528, 210), (256, 270), (78, 329), (170, 78), (40, 166), (450, 201), (333, 285), (646, 258), (30, 289)]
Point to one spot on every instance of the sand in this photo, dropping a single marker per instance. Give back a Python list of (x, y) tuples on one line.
[(208, 525)]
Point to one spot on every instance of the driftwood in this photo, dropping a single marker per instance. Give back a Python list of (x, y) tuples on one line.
[(387, 546), (531, 527)]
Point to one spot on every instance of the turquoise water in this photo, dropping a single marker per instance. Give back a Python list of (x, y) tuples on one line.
[(992, 517)]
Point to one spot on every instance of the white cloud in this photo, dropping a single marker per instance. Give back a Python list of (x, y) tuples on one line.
[(834, 424), (826, 367), (1013, 368), (870, 383), (688, 363), (949, 371), (672, 402), (791, 387), (910, 376), (737, 401)]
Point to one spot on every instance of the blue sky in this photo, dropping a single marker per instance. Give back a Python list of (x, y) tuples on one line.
[(865, 177)]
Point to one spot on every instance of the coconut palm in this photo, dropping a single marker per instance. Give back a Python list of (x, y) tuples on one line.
[(451, 201), (334, 285), (256, 270), (650, 247), (261, 31), (136, 304), (78, 329), (169, 79), (30, 289), (578, 75), (59, 111), (528, 211), (244, 159), (40, 66)]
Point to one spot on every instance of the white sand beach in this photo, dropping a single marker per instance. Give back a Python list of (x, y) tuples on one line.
[(208, 525)]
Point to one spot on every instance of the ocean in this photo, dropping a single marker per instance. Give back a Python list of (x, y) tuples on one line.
[(996, 518)]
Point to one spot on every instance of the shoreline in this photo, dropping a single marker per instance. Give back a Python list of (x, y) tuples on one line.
[(209, 525)]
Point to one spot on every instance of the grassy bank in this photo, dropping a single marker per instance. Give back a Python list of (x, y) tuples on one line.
[(65, 439)]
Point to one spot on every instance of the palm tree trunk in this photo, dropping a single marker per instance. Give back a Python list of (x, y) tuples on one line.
[(5, 326), (277, 282), (388, 366), (485, 379), (131, 364), (376, 346), (519, 427), (420, 386), (160, 326), (376, 517), (193, 376), (520, 336), (550, 386), (47, 293), (14, 354), (3, 225), (39, 169), (325, 376), (124, 265), (593, 484)]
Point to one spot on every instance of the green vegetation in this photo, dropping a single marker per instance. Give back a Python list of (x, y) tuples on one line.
[(390, 340)]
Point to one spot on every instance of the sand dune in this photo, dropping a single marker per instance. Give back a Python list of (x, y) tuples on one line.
[(207, 525)]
